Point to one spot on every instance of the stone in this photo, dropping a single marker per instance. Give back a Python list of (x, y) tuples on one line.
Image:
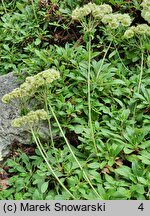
[(8, 112)]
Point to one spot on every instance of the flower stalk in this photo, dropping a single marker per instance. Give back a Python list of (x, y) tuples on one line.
[(45, 157), (89, 96), (71, 151)]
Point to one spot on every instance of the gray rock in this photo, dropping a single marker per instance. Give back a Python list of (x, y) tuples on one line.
[(8, 112)]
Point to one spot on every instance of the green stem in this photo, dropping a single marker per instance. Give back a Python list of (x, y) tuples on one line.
[(103, 59), (44, 155), (4, 6), (89, 96), (141, 72), (85, 175), (121, 59), (49, 123), (34, 11), (139, 84), (46, 107)]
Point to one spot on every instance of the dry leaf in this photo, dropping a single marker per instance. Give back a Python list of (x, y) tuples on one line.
[(4, 184)]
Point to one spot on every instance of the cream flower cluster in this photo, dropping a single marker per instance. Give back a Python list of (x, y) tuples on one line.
[(33, 117), (146, 10), (141, 29), (29, 87), (97, 11), (101, 10), (114, 20), (103, 13)]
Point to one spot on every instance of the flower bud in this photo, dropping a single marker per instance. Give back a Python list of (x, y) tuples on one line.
[(128, 34), (6, 98)]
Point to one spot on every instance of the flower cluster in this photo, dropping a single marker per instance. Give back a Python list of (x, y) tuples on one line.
[(114, 20), (103, 13), (29, 87), (146, 10), (33, 117), (141, 29), (101, 10), (97, 11)]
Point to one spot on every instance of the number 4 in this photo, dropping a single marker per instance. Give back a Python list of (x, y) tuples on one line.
[(141, 207)]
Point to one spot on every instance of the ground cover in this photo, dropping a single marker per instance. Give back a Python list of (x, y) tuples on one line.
[(98, 106)]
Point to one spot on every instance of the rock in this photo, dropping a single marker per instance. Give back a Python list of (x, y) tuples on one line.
[(8, 112)]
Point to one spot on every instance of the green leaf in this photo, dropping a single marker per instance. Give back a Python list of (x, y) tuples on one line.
[(44, 187), (110, 179), (20, 6), (102, 164), (18, 196), (6, 47), (37, 195), (90, 196), (72, 181), (112, 54), (78, 129), (124, 171), (94, 165), (144, 160), (20, 169), (138, 188), (122, 193), (145, 144), (119, 82), (137, 168), (102, 192), (115, 149), (95, 175), (127, 150), (37, 41), (143, 180)]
